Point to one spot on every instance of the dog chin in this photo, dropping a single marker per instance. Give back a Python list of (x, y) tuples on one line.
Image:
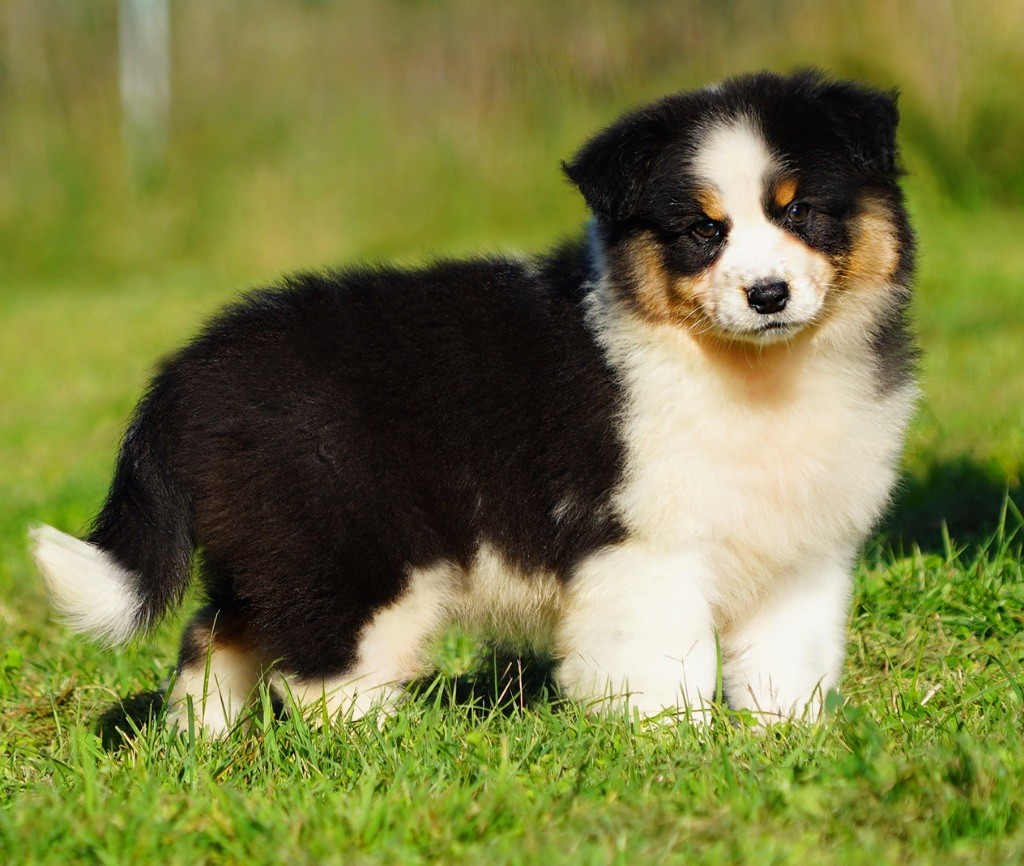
[(768, 334)]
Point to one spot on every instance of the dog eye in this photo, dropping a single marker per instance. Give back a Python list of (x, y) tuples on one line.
[(706, 229), (798, 213)]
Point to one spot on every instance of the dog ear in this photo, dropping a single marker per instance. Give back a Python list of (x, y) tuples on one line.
[(865, 120), (612, 168)]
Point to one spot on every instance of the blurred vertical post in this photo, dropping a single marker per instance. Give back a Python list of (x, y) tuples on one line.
[(144, 31)]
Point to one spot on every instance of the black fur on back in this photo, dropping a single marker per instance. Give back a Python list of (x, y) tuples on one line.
[(334, 433), (322, 439)]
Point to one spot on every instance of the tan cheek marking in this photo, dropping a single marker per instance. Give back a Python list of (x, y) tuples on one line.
[(863, 277), (785, 192), (711, 205), (650, 284), (692, 299), (874, 256), (655, 295)]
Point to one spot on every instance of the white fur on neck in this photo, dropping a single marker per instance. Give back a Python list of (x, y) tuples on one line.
[(760, 482)]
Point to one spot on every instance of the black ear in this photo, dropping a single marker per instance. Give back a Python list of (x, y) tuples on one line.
[(865, 120), (612, 168)]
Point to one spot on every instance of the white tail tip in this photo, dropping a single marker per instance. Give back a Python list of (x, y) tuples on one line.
[(90, 591)]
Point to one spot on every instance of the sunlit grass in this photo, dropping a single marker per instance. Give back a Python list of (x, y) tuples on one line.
[(923, 762), (314, 133)]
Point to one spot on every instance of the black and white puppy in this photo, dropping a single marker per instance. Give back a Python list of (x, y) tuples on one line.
[(651, 451)]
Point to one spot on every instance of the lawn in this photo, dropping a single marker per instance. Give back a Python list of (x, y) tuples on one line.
[(920, 759)]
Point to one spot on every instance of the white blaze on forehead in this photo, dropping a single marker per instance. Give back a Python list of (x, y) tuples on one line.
[(734, 161), (735, 165)]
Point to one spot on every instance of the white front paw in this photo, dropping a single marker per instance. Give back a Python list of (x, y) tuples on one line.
[(673, 688), (771, 703)]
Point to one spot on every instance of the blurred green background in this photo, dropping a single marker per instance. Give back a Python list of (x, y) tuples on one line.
[(305, 134), (308, 134)]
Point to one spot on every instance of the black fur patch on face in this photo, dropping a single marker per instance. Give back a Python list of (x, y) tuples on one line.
[(838, 132), (829, 205), (834, 142)]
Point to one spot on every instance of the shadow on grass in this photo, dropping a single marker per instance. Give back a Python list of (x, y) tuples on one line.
[(507, 683), (963, 495), (120, 723)]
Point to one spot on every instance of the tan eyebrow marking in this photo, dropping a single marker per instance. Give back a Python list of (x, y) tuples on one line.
[(785, 191), (710, 204)]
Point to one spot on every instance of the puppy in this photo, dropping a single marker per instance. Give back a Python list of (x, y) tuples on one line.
[(654, 451)]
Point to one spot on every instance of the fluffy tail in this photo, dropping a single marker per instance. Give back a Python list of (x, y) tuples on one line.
[(136, 562)]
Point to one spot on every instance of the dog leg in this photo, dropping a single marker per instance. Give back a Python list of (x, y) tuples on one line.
[(638, 632), (218, 672), (392, 650), (781, 661)]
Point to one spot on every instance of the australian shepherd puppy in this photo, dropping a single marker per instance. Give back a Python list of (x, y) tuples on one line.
[(654, 451)]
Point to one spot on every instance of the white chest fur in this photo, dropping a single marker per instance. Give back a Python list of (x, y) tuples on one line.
[(758, 462)]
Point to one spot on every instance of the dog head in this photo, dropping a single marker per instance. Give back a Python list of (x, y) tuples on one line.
[(752, 210)]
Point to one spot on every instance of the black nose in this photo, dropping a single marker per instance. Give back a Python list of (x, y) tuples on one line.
[(768, 297)]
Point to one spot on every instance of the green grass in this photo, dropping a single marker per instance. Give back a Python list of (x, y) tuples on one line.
[(280, 126), (921, 764), (922, 761)]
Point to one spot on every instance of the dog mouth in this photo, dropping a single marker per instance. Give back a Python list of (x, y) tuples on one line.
[(775, 331), (742, 326)]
